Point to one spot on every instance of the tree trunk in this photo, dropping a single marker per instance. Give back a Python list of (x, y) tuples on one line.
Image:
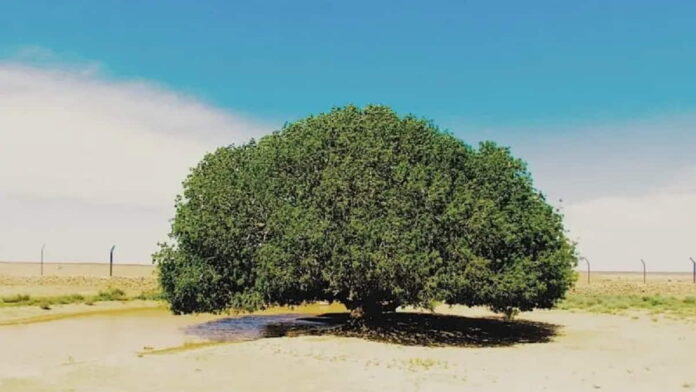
[(366, 312)]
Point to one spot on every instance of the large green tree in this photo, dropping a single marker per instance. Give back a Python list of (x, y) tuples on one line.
[(367, 208)]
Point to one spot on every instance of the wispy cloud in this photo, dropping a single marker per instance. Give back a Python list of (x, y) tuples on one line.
[(68, 135), (74, 140), (628, 188)]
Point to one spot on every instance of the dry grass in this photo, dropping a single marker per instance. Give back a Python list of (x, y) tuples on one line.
[(74, 279), (669, 294), (28, 269), (20, 284), (111, 294), (628, 283)]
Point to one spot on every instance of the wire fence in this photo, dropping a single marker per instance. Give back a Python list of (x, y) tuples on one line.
[(588, 273)]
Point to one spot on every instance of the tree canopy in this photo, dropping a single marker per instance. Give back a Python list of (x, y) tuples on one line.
[(367, 208)]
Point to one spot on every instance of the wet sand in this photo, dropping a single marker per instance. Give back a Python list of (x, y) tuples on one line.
[(110, 353)]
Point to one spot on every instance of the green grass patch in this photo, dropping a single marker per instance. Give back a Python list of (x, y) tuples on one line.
[(112, 294), (622, 304), (149, 296), (14, 299)]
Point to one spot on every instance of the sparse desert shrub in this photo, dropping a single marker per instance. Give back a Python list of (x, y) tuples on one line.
[(68, 299), (112, 294), (149, 296), (18, 298), (617, 303)]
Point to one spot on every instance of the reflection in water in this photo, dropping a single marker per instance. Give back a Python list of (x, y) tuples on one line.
[(255, 327)]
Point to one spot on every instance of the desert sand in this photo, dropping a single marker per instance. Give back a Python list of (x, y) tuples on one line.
[(140, 346), (110, 353), (73, 278)]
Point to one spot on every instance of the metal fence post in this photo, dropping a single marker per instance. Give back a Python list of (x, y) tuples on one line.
[(644, 271), (43, 247), (111, 261), (588, 268), (694, 263)]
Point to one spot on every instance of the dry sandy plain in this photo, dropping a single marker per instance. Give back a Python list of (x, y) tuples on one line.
[(139, 346)]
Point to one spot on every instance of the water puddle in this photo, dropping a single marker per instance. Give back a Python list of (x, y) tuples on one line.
[(254, 327)]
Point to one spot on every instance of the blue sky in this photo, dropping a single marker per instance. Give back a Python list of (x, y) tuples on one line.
[(460, 62), (105, 104)]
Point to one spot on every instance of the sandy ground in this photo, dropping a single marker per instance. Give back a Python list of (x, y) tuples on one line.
[(104, 353), (27, 269), (12, 315), (114, 346), (89, 278), (74, 278), (620, 283)]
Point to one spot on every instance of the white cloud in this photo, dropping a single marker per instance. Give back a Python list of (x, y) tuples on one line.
[(606, 158), (628, 187), (660, 227), (86, 162), (71, 140)]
